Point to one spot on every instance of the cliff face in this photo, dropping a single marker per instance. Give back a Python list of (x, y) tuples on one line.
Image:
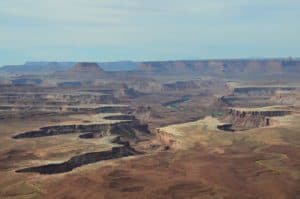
[(127, 130), (83, 70), (261, 91), (180, 85), (243, 120), (259, 96), (223, 66), (82, 67), (181, 66), (287, 97)]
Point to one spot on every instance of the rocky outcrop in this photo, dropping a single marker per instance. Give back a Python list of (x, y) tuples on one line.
[(85, 67), (287, 97), (260, 91), (180, 86), (56, 99), (166, 138), (172, 67), (262, 112), (127, 130), (255, 96), (82, 71), (243, 120)]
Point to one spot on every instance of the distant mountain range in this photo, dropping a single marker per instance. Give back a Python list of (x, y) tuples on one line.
[(51, 67), (211, 67), (228, 66)]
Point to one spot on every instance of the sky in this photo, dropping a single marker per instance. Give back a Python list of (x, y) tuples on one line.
[(113, 30)]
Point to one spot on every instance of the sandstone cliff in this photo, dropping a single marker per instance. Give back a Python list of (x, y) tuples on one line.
[(246, 119), (83, 70), (234, 66)]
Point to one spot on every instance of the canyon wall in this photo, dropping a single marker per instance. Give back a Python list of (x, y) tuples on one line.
[(243, 120), (261, 91), (127, 130), (269, 66)]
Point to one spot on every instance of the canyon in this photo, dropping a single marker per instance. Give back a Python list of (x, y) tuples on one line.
[(161, 129)]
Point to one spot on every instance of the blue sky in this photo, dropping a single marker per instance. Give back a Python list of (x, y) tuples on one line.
[(111, 30)]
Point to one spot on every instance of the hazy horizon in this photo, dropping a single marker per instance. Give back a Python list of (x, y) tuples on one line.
[(137, 61), (142, 30)]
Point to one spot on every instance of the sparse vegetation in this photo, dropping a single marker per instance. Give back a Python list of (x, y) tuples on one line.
[(83, 134)]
